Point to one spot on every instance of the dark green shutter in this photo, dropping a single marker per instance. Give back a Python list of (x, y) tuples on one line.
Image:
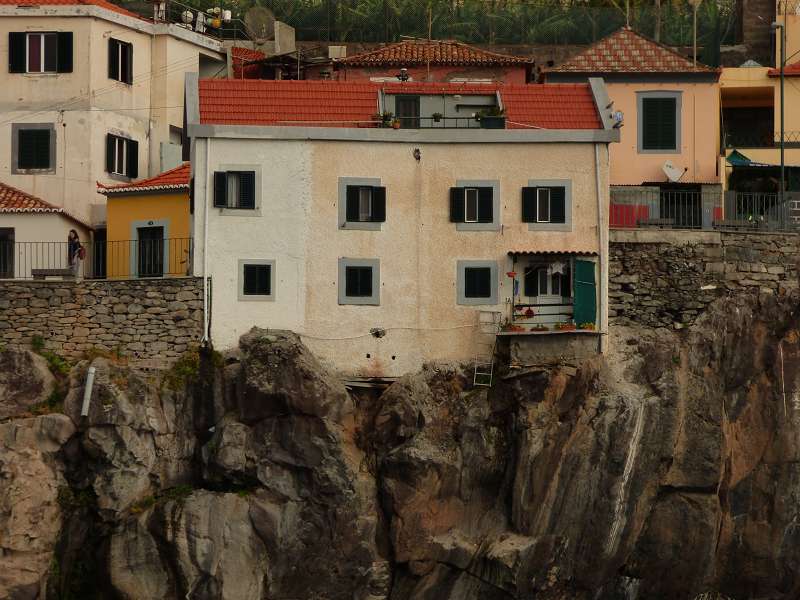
[(133, 159), (191, 196), (128, 63), (585, 307), (110, 151), (557, 205), (485, 205), (659, 123), (113, 59), (220, 189), (16, 52), (477, 282), (247, 189), (531, 281), (33, 149), (457, 204), (65, 52), (50, 58), (378, 204), (358, 281), (351, 203), (529, 205)]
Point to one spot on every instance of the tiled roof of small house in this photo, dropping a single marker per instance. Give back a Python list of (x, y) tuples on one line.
[(13, 200), (100, 3), (439, 52), (344, 104), (626, 51), (174, 179)]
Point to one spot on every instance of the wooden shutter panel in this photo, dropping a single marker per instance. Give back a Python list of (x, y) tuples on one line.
[(220, 189), (128, 63), (585, 304), (658, 116), (113, 59), (529, 205), (133, 159), (485, 208), (351, 203), (65, 52), (16, 52), (247, 189), (110, 139), (378, 204), (531, 282), (557, 205), (457, 204), (191, 196)]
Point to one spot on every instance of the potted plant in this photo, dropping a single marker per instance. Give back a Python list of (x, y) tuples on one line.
[(540, 327), (385, 119), (396, 124), (437, 117), (511, 274), (493, 117), (565, 326), (529, 312), (586, 326)]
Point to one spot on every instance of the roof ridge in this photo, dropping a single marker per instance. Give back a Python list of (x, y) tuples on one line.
[(432, 43)]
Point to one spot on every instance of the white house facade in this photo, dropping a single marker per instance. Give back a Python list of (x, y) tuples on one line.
[(384, 247)]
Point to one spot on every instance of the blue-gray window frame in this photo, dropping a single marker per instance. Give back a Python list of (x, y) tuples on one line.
[(677, 95), (461, 267)]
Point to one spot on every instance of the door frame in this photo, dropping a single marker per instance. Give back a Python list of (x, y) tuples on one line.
[(134, 254)]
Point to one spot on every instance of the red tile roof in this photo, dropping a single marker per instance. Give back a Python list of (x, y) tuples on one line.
[(626, 51), (174, 179), (101, 3), (550, 106), (343, 104), (13, 200), (439, 52), (792, 70), (262, 102), (240, 57)]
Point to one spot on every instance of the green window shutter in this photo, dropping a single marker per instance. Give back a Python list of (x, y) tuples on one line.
[(64, 59), (247, 189), (378, 204), (457, 204), (16, 52), (531, 282), (485, 208), (34, 149), (557, 205), (110, 151), (585, 307), (220, 189), (351, 207), (133, 159), (529, 205), (659, 123), (113, 59)]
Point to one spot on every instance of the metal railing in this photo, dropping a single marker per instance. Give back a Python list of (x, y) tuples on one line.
[(749, 139), (708, 209), (465, 122), (118, 259)]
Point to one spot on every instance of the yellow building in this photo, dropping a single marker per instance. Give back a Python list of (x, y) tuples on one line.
[(751, 106), (149, 226)]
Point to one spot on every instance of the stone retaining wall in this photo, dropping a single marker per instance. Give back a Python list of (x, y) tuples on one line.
[(146, 319), (667, 278)]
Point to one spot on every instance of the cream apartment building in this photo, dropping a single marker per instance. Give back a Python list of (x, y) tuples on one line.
[(383, 247), (89, 93)]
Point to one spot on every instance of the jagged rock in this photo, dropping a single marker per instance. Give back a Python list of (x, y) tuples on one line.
[(25, 380), (31, 473)]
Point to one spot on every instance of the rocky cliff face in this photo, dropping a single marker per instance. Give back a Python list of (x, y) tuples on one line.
[(668, 469)]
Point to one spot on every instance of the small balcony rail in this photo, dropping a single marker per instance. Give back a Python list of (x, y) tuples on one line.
[(442, 122), (709, 209), (750, 139), (118, 259)]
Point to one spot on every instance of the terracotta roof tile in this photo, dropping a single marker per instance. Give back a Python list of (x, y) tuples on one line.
[(13, 200), (101, 3), (174, 179), (792, 70), (343, 104), (626, 51), (439, 52)]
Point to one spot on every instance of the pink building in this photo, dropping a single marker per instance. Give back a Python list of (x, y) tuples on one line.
[(668, 111), (436, 61)]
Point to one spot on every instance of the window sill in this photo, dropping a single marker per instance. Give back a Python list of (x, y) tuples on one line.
[(667, 151), (46, 74), (549, 226), (255, 298), (478, 226), (361, 225), (239, 212), (353, 301), (33, 171), (120, 177), (130, 85)]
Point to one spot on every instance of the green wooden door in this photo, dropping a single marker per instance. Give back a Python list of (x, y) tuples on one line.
[(585, 309)]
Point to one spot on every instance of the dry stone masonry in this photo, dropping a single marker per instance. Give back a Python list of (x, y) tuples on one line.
[(153, 319), (667, 278)]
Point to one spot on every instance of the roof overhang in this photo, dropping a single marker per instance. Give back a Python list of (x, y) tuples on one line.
[(654, 77), (139, 191)]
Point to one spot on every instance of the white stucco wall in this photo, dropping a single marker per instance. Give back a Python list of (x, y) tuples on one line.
[(40, 240), (418, 247), (85, 104)]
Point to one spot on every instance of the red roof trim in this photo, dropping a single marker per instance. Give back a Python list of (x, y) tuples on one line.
[(174, 179), (15, 201), (438, 52)]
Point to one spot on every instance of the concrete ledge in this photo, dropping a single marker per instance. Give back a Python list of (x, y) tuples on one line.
[(538, 349), (676, 237)]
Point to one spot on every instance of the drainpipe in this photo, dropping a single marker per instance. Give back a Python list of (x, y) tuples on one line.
[(602, 230), (206, 336)]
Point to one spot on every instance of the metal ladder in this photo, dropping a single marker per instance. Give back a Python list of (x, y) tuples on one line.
[(488, 325)]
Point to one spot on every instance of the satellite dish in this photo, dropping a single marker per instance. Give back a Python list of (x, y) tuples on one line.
[(259, 22), (672, 172)]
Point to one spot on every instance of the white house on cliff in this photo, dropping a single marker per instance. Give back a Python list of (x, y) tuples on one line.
[(381, 238)]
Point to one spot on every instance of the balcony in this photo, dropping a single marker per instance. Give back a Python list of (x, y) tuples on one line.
[(704, 210), (124, 259)]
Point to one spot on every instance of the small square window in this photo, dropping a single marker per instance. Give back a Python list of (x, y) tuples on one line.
[(256, 279), (122, 156), (471, 205), (477, 282), (543, 205), (33, 149), (359, 281), (235, 189)]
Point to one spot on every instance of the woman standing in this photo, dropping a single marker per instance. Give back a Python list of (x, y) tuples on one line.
[(74, 252)]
